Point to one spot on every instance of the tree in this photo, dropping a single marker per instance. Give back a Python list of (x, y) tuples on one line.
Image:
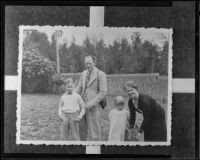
[(151, 56), (163, 63), (76, 63), (64, 58), (126, 57), (100, 51), (89, 48), (113, 51), (39, 40), (52, 53), (137, 53), (119, 57)]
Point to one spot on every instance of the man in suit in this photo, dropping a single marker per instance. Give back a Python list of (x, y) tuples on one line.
[(92, 87)]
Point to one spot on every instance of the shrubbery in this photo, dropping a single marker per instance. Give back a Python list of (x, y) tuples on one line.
[(39, 75), (37, 72)]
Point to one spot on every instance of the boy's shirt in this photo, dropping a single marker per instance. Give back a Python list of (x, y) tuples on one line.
[(71, 103)]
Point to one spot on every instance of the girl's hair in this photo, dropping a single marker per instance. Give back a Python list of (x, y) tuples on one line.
[(69, 81), (122, 102), (131, 84)]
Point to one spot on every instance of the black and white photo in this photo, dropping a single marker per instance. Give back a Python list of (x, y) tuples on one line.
[(94, 85)]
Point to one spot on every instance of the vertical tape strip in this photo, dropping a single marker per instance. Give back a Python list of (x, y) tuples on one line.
[(93, 149), (96, 20), (96, 16)]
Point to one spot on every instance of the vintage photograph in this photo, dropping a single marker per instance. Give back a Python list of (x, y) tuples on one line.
[(94, 85)]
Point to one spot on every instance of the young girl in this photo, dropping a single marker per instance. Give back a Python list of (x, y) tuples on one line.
[(118, 120), (71, 110)]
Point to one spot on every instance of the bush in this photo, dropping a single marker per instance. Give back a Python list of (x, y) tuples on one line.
[(37, 72)]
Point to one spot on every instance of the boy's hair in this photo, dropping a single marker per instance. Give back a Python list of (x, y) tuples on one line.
[(122, 102), (69, 81)]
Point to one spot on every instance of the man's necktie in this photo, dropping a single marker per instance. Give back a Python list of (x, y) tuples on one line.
[(88, 76), (87, 80)]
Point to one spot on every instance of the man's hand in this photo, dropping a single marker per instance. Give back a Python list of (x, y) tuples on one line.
[(61, 118), (78, 119), (88, 105)]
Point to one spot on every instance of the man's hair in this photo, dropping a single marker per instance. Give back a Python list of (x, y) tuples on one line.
[(93, 58)]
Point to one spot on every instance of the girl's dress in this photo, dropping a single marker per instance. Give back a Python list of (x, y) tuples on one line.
[(118, 122)]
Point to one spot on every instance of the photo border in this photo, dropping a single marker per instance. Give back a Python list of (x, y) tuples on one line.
[(96, 143)]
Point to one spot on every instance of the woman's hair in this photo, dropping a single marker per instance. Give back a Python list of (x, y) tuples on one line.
[(131, 84)]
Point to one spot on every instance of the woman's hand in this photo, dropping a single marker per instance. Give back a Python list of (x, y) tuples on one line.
[(138, 135), (133, 133)]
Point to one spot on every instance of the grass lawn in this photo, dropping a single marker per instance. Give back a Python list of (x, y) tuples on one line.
[(40, 121)]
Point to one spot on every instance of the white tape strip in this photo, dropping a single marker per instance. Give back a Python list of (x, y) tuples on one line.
[(96, 16), (182, 85), (93, 149), (10, 82), (179, 85), (96, 20)]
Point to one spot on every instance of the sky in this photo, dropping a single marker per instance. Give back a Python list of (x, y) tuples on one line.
[(108, 34)]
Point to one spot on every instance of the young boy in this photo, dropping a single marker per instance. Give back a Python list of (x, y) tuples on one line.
[(71, 110), (118, 120)]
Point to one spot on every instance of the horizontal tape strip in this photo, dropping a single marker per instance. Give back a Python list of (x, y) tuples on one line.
[(10, 83), (179, 85), (182, 85), (96, 16)]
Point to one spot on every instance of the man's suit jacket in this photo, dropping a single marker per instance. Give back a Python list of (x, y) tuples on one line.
[(94, 93)]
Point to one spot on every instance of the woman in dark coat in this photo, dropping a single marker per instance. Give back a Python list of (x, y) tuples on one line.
[(154, 124)]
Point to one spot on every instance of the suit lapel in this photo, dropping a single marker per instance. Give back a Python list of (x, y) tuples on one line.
[(93, 76)]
